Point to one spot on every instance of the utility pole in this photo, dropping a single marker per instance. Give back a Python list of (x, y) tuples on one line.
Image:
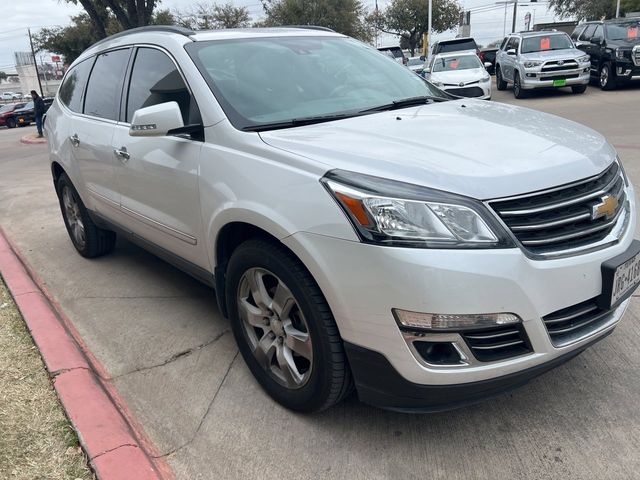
[(35, 63), (515, 13), (429, 30), (618, 9)]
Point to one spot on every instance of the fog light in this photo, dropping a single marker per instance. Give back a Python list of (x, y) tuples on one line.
[(447, 322), (531, 75), (437, 353)]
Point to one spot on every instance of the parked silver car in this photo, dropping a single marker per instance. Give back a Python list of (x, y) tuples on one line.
[(543, 59)]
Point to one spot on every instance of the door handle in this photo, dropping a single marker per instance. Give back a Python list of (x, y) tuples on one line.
[(75, 141), (122, 153)]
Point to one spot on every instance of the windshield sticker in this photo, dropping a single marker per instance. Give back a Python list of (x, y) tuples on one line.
[(545, 43), (632, 33)]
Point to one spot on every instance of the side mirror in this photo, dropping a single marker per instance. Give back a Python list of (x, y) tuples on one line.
[(511, 51), (156, 120), (597, 40), (488, 64), (426, 70)]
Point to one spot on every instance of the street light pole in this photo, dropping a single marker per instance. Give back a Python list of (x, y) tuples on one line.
[(429, 30), (515, 13), (35, 63), (618, 9)]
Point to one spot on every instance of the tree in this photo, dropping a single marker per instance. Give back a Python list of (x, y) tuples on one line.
[(410, 19), (207, 16), (3, 76), (128, 13), (592, 9), (343, 16)]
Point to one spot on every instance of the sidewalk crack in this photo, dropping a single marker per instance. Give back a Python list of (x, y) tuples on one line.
[(175, 356), (113, 449), (206, 413), (60, 371)]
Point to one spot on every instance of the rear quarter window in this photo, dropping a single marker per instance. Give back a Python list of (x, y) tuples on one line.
[(72, 89)]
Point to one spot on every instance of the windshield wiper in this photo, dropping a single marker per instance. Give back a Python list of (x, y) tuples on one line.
[(297, 122), (404, 103)]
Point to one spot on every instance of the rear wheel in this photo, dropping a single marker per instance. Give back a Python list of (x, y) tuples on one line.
[(579, 88), (11, 123), (284, 328), (518, 91), (89, 240), (607, 77), (500, 83)]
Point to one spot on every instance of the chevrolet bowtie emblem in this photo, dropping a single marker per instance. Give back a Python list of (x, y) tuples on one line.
[(607, 207)]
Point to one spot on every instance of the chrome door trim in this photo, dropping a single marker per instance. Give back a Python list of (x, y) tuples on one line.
[(160, 226)]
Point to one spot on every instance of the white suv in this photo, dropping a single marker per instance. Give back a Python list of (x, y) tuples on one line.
[(339, 204)]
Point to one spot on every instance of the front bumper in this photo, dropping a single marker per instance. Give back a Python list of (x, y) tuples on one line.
[(534, 78), (479, 90), (363, 283)]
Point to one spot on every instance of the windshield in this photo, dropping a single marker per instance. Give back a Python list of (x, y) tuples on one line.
[(627, 31), (456, 46), (546, 42), (268, 80), (449, 64), (415, 61)]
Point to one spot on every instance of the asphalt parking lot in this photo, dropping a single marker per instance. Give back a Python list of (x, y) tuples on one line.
[(171, 356)]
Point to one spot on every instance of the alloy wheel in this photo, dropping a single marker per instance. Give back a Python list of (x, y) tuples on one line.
[(275, 327), (604, 76), (73, 216)]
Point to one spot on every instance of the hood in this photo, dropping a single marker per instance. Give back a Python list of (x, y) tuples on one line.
[(471, 147), (546, 55), (624, 43), (459, 76)]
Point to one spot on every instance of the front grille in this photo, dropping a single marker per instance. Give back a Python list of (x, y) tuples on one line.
[(574, 322), (554, 66), (635, 55), (498, 343), (560, 77), (561, 219), (466, 92)]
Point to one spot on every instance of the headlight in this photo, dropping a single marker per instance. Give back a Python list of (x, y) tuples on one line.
[(619, 53), (532, 64), (437, 84), (584, 59), (387, 212), (486, 78)]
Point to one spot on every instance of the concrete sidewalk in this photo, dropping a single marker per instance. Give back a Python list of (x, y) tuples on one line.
[(173, 360)]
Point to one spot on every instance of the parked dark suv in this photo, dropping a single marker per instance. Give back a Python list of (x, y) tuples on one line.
[(25, 115), (614, 47)]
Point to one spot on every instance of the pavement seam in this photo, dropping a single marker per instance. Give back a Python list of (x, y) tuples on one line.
[(174, 357), (206, 413)]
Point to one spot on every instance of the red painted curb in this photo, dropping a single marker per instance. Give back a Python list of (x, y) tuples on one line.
[(29, 140), (114, 442)]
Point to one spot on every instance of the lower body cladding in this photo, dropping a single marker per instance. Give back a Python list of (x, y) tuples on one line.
[(554, 306), (532, 80)]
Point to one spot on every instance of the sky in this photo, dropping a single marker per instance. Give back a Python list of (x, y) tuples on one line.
[(487, 19)]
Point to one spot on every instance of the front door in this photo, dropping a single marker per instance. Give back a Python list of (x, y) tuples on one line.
[(158, 176)]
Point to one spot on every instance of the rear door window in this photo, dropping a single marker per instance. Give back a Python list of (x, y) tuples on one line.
[(588, 32), (105, 84)]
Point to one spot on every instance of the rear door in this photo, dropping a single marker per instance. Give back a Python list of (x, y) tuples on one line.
[(158, 176), (91, 133)]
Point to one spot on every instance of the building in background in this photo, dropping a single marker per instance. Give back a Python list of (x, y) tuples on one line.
[(50, 74), (566, 27)]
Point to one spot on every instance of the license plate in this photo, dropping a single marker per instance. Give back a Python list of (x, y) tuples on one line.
[(560, 83), (620, 277)]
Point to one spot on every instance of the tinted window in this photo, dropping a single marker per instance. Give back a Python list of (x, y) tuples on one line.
[(576, 33), (155, 79), (504, 43), (588, 32), (456, 46), (625, 31), (105, 84), (72, 88), (599, 33)]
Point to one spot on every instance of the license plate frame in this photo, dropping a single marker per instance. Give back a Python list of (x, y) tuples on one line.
[(623, 268), (560, 83)]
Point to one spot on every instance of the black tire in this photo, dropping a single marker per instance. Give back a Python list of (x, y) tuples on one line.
[(10, 123), (579, 88), (501, 84), (97, 241), (518, 91), (607, 79), (329, 376)]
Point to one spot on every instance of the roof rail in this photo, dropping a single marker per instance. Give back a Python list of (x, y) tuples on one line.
[(309, 27), (149, 28)]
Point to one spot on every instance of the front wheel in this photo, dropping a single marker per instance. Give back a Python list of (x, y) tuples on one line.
[(284, 328), (11, 123), (607, 78), (518, 91), (500, 82), (579, 88)]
